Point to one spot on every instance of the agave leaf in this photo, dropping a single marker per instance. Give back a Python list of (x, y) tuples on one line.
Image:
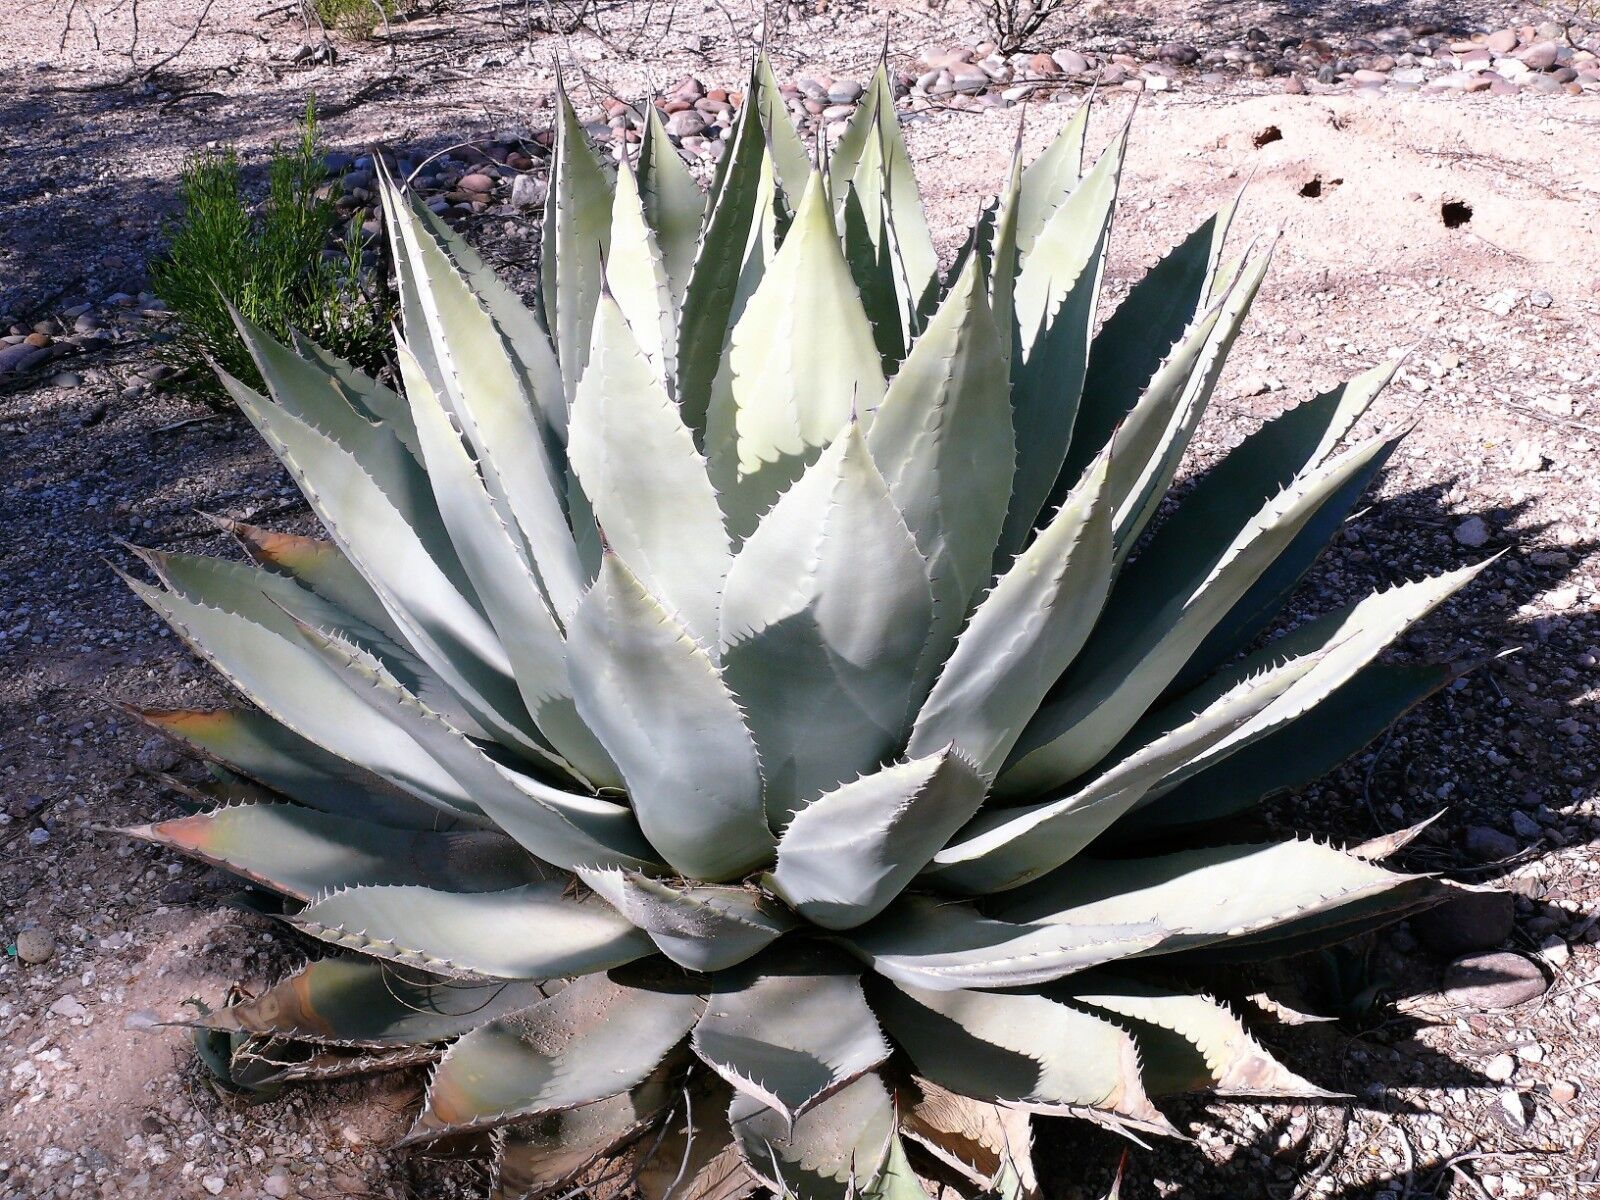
[(479, 383), (700, 928), (1347, 720), (1004, 258), (1186, 1041), (987, 1144), (1056, 294), (846, 855), (308, 697), (547, 1154), (648, 484), (1159, 611), (673, 203), (575, 240), (837, 1150), (301, 852), (801, 361), (555, 826), (278, 1064), (271, 753), (1139, 335), (407, 559), (719, 263), (1020, 1049), (510, 593), (825, 615), (790, 1041), (873, 269), (1024, 633), (591, 1040), (316, 564), (789, 153), (637, 278), (942, 439), (1345, 641), (1050, 179), (1004, 848), (1216, 894), (660, 706), (527, 340), (377, 402), (1152, 439), (535, 931), (871, 156), (362, 1002), (927, 943)]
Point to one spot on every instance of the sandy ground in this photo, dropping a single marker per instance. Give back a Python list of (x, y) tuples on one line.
[(1501, 315)]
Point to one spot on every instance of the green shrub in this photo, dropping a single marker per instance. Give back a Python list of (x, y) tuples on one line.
[(269, 261), (353, 18)]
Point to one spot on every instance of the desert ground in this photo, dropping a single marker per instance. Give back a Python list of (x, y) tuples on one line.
[(1461, 228)]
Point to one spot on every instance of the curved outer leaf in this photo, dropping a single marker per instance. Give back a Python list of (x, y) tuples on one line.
[(348, 1001), (846, 855), (1151, 442), (316, 564), (1186, 1041), (837, 1150), (1248, 475), (529, 932), (527, 340), (637, 278), (1004, 259), (942, 439), (306, 695), (301, 852), (1211, 895), (646, 481), (989, 1145), (873, 267), (555, 826), (673, 204), (1056, 294), (1344, 642), (1050, 179), (660, 707), (824, 618), (1020, 1049), (477, 378), (709, 300), (404, 552), (1138, 336), (538, 1158), (1346, 721), (789, 153), (503, 581), (271, 753), (790, 1041), (699, 928), (801, 361), (574, 241), (377, 402), (591, 1040), (1024, 633), (1159, 611), (927, 943)]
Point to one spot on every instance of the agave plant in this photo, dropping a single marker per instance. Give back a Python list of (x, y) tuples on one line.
[(747, 717)]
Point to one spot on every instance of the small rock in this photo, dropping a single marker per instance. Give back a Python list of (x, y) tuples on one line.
[(214, 1184), (1563, 598), (1294, 86), (68, 1006), (157, 754), (18, 358), (1511, 1110), (66, 379), (277, 1186), (179, 891), (844, 91), (1177, 53), (1525, 827), (1493, 981), (1541, 299), (1043, 65), (476, 182), (1469, 920), (688, 123), (1554, 951), (969, 79), (1527, 458), (1502, 41), (1071, 62), (1500, 1068), (35, 946), (1563, 1091), (1540, 56), (1473, 532), (1501, 304), (528, 192)]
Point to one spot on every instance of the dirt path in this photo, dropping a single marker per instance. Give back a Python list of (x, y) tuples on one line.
[(1465, 228)]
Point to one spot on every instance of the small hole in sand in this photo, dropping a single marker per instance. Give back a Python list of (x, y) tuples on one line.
[(1455, 213), (1312, 188), (1268, 135)]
